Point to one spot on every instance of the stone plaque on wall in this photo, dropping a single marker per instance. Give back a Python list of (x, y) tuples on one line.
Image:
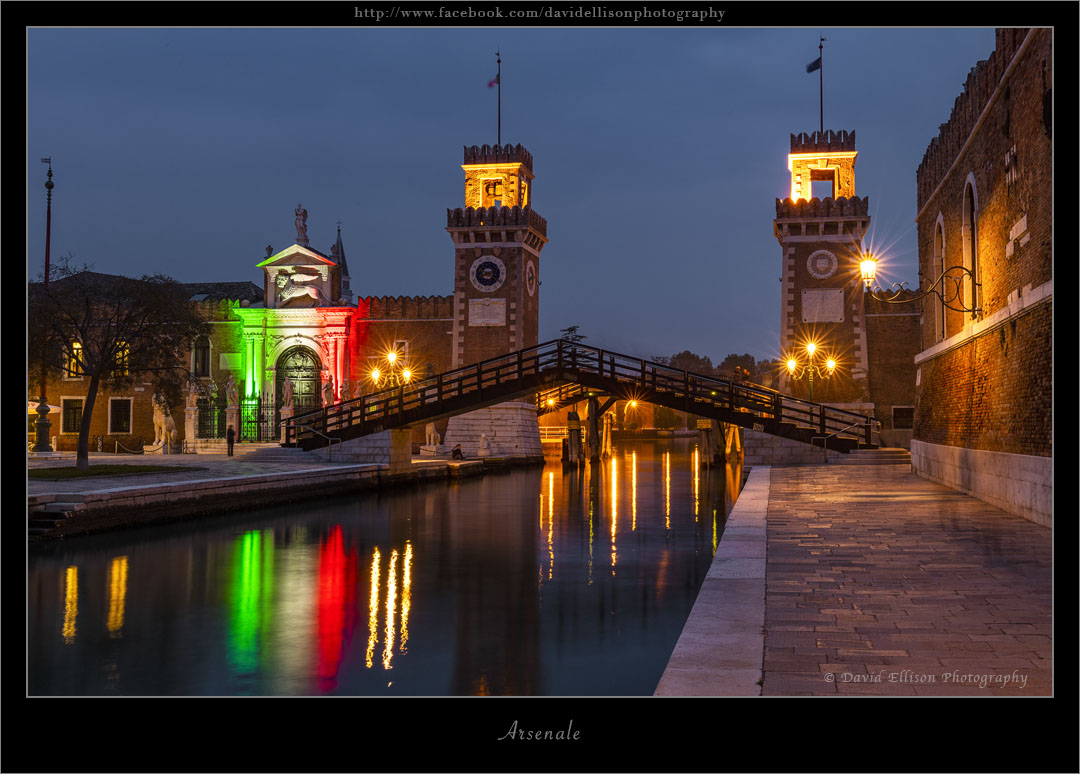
[(487, 312), (823, 305)]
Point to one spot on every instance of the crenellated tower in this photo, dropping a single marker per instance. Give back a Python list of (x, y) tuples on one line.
[(497, 242), (821, 243)]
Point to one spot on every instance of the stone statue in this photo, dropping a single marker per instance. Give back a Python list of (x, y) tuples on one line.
[(164, 426), (328, 393), (269, 251), (346, 390), (212, 391), (289, 286), (431, 437), (287, 393), (301, 223), (232, 393), (194, 388), (485, 446)]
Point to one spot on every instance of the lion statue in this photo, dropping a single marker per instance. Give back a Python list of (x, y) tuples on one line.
[(164, 426)]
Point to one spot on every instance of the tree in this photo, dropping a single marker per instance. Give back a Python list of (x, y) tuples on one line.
[(112, 328), (741, 367), (688, 361), (572, 334)]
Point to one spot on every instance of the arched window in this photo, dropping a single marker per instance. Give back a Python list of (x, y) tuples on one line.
[(123, 355), (938, 270), (201, 365), (74, 360), (970, 238)]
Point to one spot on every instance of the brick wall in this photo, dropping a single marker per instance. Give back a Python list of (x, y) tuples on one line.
[(993, 391), (893, 336)]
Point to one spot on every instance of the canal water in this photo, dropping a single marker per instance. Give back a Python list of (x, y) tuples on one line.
[(530, 582)]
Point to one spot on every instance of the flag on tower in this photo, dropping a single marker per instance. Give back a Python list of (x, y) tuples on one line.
[(815, 65), (493, 82)]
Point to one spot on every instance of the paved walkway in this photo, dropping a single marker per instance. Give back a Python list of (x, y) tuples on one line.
[(209, 466), (879, 582)]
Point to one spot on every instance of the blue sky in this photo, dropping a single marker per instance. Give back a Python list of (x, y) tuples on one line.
[(658, 155)]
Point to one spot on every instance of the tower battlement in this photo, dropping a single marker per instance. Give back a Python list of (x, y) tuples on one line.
[(982, 81), (496, 216), (405, 308), (498, 154), (823, 208), (823, 142)]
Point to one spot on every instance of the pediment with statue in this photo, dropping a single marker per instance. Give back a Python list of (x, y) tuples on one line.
[(299, 277)]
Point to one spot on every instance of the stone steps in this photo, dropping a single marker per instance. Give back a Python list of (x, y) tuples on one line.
[(884, 456)]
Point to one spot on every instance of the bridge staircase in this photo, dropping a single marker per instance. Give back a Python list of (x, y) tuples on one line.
[(570, 371)]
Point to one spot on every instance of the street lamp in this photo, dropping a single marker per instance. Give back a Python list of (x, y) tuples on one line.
[(951, 291), (42, 425), (823, 367), (397, 373)]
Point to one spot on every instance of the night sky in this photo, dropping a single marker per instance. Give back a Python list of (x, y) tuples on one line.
[(658, 155)]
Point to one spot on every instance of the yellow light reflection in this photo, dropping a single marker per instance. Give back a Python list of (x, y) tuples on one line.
[(614, 510), (695, 483), (373, 609), (667, 490), (117, 595), (551, 519), (406, 597), (71, 603), (633, 491), (391, 604)]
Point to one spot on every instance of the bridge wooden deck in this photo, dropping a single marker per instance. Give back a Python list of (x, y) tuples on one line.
[(573, 371)]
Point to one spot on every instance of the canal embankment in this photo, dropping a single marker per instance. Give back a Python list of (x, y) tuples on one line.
[(210, 485)]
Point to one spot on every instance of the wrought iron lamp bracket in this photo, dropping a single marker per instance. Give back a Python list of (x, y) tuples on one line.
[(951, 291)]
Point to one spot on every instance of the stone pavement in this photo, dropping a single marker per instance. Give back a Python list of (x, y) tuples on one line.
[(210, 466), (880, 582), (876, 582)]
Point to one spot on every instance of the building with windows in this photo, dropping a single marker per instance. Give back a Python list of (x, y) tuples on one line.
[(304, 326), (984, 380)]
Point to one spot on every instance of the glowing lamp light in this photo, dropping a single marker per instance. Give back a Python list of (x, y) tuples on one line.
[(633, 404), (830, 364), (868, 268), (811, 347), (375, 374), (391, 356), (791, 364), (551, 401), (406, 374)]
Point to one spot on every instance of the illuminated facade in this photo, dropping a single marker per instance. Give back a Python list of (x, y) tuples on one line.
[(305, 325), (822, 297), (984, 400)]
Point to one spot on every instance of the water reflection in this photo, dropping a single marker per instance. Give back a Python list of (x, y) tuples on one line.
[(117, 595), (461, 586), (71, 603)]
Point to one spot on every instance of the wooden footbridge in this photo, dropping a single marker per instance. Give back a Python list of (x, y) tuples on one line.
[(567, 372)]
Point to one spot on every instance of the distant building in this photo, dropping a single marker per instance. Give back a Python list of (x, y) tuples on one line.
[(984, 384), (305, 325)]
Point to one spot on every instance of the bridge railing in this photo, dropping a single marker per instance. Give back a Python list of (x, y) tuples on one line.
[(561, 361)]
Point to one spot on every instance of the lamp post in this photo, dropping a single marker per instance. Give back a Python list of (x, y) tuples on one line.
[(397, 373), (823, 367), (951, 291), (42, 425)]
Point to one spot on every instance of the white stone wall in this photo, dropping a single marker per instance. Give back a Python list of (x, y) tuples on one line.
[(1020, 484), (765, 449), (511, 428), (390, 447)]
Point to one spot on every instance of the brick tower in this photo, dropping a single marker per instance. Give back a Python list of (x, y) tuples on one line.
[(821, 243), (497, 243)]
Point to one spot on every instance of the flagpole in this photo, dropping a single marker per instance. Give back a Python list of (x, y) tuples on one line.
[(821, 85), (498, 83)]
